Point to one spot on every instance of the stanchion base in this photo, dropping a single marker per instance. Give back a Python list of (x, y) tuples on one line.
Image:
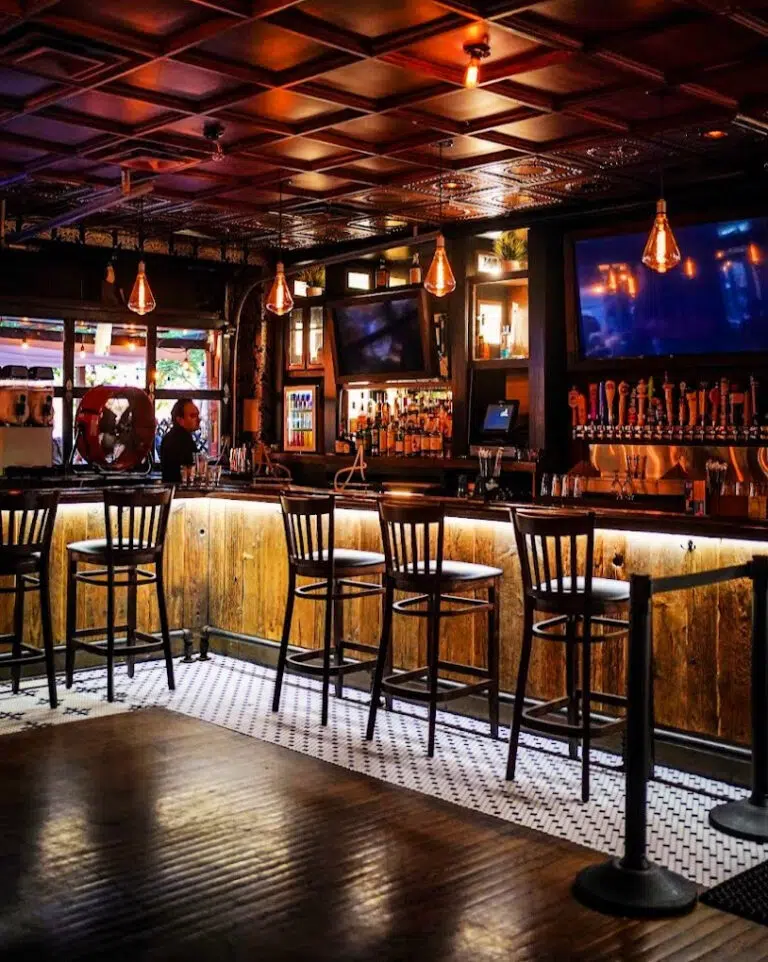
[(741, 819), (652, 892)]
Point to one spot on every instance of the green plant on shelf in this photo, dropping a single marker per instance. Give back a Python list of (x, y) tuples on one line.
[(313, 277), (511, 248)]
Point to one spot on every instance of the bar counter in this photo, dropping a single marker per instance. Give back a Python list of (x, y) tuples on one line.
[(226, 567)]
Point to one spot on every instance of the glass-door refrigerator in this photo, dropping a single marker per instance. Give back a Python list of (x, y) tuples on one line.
[(300, 418)]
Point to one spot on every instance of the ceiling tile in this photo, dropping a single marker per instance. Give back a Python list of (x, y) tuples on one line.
[(371, 78), (264, 45), (373, 18)]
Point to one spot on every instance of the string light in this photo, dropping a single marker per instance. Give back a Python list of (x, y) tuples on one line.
[(280, 300), (440, 280)]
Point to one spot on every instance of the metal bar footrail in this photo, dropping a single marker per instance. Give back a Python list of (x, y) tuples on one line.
[(748, 818), (632, 886)]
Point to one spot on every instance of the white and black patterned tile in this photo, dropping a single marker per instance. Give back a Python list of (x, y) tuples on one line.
[(468, 767)]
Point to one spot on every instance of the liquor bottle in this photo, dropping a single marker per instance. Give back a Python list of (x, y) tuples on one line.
[(353, 420), (382, 274), (382, 439), (448, 434), (386, 410), (399, 441), (426, 443), (414, 274), (436, 442), (374, 432), (391, 439)]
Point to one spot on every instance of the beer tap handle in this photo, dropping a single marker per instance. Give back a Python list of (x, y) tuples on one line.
[(725, 385), (623, 395), (642, 401), (681, 407), (753, 388), (692, 399), (610, 394), (702, 403), (593, 391), (714, 400), (669, 399), (573, 404)]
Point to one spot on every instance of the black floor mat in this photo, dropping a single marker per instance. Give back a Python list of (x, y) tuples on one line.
[(746, 895)]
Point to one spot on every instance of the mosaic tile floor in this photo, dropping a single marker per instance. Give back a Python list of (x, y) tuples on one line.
[(467, 769)]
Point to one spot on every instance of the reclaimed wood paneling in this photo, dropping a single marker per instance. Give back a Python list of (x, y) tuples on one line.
[(226, 566)]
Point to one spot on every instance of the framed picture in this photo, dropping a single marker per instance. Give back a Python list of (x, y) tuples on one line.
[(488, 263)]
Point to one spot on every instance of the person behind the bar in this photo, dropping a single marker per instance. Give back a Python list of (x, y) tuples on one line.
[(178, 447)]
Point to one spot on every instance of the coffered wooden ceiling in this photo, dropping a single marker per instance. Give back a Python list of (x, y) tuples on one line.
[(346, 102)]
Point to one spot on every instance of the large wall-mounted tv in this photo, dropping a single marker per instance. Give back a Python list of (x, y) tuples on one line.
[(382, 336), (714, 302)]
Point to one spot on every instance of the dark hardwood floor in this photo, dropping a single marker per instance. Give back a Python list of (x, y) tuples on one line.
[(153, 836)]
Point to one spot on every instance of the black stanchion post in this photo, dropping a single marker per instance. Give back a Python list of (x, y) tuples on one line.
[(749, 818), (633, 886)]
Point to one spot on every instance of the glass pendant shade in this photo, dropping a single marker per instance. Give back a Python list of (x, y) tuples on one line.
[(472, 72), (661, 251), (141, 300), (280, 301), (440, 280)]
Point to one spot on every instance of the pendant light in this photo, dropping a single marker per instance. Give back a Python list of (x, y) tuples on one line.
[(280, 301), (661, 252), (440, 280), (142, 300), (476, 52)]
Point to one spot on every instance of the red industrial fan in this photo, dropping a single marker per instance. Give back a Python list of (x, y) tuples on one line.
[(115, 428)]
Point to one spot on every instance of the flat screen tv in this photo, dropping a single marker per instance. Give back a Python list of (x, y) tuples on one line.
[(714, 302), (382, 336)]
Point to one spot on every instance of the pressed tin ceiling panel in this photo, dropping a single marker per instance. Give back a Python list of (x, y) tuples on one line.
[(346, 106)]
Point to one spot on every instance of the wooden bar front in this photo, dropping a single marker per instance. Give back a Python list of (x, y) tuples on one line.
[(226, 567)]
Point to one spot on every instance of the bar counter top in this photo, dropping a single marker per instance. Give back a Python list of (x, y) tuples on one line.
[(87, 491)]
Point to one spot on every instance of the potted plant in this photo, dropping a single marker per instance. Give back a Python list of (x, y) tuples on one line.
[(314, 278), (511, 248)]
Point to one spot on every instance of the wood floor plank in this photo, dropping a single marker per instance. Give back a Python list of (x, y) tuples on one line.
[(153, 836)]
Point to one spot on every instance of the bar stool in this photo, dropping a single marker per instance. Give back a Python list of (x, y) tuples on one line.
[(136, 522), (413, 537), (312, 553), (26, 531), (549, 544)]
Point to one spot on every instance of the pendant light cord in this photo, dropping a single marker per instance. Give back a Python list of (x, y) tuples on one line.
[(280, 223), (440, 187)]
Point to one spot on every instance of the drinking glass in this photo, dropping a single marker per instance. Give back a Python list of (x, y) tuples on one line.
[(201, 467)]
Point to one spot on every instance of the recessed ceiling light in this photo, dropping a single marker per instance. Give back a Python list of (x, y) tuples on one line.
[(715, 134)]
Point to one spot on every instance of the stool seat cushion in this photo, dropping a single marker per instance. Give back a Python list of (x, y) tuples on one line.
[(20, 563), (352, 558), (605, 590), (96, 547), (462, 570)]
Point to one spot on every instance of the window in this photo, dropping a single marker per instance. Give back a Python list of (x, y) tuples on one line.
[(490, 316), (110, 354), (315, 336), (296, 338), (188, 360), (358, 280)]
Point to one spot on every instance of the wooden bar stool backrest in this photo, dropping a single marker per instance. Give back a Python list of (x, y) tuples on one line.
[(413, 535), (26, 523), (549, 544), (136, 519), (309, 533)]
